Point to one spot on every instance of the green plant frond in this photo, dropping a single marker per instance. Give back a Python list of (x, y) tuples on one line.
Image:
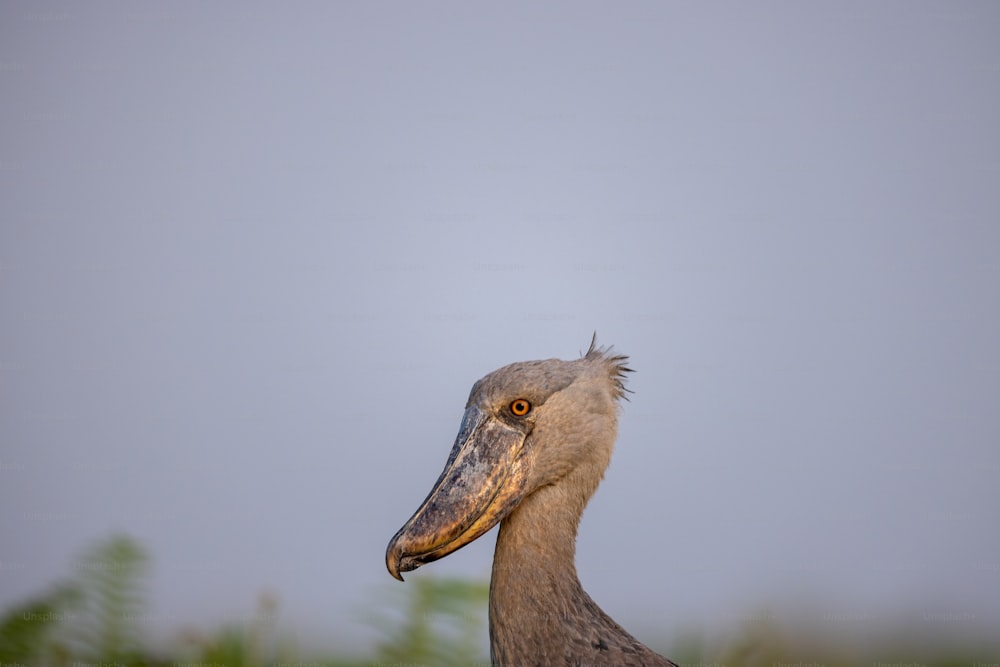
[(28, 630), (435, 621)]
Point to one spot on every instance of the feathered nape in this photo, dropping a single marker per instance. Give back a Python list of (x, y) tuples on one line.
[(616, 365)]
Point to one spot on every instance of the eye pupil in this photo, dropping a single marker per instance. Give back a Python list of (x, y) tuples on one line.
[(520, 407)]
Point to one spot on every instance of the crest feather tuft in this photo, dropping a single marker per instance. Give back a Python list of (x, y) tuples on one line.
[(617, 365)]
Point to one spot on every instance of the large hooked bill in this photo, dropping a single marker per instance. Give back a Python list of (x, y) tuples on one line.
[(480, 485)]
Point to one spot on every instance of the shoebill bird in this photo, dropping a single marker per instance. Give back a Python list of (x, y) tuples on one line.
[(533, 445)]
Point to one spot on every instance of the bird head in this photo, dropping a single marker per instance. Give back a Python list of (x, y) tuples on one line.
[(526, 426)]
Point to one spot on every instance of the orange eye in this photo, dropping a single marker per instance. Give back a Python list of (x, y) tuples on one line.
[(520, 407)]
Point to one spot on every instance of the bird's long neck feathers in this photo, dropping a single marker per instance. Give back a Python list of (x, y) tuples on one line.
[(534, 587), (539, 612)]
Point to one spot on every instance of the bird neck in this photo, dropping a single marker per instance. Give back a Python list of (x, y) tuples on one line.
[(540, 533), (534, 588)]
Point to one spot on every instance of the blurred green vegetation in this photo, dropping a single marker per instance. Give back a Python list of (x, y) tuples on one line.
[(432, 622), (93, 619)]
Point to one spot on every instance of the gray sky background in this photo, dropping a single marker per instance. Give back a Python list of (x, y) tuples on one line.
[(253, 257)]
